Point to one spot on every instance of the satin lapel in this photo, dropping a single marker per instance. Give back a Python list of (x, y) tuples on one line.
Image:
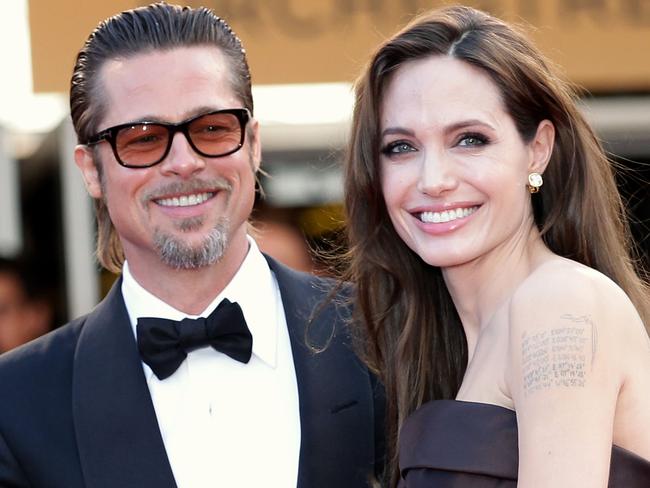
[(335, 404), (116, 427)]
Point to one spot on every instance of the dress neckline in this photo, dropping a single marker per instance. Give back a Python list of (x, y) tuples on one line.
[(476, 437)]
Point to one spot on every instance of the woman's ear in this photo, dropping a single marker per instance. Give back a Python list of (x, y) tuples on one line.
[(541, 147), (85, 160)]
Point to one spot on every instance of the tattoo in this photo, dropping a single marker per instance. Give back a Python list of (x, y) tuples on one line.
[(558, 357), (586, 320)]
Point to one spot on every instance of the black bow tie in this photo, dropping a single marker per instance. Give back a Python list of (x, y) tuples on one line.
[(164, 344)]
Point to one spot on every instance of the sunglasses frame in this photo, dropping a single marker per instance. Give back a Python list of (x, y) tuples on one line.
[(110, 135)]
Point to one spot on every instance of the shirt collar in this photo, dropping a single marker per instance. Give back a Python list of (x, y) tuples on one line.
[(253, 287)]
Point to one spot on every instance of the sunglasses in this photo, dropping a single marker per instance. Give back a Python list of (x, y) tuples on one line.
[(145, 144)]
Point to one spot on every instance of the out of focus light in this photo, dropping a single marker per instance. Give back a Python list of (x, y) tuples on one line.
[(22, 113), (303, 116)]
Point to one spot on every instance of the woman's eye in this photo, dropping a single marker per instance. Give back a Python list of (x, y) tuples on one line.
[(398, 148), (472, 140)]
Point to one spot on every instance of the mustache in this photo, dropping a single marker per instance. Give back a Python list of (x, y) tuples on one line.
[(196, 185)]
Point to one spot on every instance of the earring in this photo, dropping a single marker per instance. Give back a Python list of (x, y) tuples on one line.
[(535, 181)]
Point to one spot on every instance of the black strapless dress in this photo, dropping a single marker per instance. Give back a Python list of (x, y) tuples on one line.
[(456, 444)]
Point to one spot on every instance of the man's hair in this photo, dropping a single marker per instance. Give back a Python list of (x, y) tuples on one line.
[(156, 27)]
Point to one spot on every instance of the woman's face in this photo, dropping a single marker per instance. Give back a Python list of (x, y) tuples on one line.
[(453, 166)]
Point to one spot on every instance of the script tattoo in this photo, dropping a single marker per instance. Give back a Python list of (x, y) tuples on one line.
[(558, 357)]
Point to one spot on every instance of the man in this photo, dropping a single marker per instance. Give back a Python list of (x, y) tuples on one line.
[(162, 108)]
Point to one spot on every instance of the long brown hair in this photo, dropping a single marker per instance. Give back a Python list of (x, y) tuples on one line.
[(412, 335)]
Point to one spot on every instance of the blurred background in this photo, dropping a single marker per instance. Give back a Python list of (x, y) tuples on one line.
[(304, 56)]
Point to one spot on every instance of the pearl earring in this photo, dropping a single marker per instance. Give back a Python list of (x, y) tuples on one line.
[(535, 181)]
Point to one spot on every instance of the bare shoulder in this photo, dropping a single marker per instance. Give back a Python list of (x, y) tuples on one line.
[(580, 320), (573, 292), (578, 372)]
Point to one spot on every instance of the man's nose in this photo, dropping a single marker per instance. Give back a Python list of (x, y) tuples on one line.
[(182, 159)]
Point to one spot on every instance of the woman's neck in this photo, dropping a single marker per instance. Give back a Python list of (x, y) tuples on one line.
[(479, 287)]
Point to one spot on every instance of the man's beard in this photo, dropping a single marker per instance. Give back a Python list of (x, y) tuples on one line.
[(177, 254), (172, 249)]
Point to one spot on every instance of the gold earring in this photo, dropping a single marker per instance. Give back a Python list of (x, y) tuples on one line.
[(535, 181)]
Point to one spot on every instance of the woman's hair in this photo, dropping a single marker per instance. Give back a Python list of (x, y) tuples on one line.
[(412, 335), (156, 27)]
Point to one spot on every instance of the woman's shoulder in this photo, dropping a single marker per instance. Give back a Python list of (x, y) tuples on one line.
[(560, 285), (562, 298), (563, 272), (578, 357)]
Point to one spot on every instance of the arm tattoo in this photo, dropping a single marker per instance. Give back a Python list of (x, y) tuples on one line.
[(558, 357)]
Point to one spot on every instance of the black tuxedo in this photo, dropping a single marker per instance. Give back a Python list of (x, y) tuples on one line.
[(75, 409)]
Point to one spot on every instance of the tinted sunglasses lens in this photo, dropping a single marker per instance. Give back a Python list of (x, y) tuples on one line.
[(141, 144), (216, 134)]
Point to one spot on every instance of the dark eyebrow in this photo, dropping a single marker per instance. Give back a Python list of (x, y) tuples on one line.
[(397, 130), (450, 128), (188, 115), (467, 123)]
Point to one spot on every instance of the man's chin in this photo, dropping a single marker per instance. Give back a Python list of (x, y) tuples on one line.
[(190, 226), (191, 252)]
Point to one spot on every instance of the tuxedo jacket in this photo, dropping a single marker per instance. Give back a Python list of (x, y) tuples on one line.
[(75, 409)]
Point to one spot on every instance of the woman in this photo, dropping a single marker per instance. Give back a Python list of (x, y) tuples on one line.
[(505, 317)]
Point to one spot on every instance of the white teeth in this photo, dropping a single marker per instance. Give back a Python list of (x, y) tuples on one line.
[(185, 200), (446, 215)]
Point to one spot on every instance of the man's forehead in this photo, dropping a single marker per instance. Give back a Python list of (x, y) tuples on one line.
[(166, 85)]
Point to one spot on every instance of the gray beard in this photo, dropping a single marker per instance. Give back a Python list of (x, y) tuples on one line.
[(177, 254)]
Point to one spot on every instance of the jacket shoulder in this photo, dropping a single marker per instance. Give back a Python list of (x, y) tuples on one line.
[(37, 365)]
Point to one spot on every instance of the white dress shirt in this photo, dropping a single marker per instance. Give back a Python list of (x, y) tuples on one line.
[(225, 423)]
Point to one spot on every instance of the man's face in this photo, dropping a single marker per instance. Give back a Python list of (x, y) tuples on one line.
[(187, 211)]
